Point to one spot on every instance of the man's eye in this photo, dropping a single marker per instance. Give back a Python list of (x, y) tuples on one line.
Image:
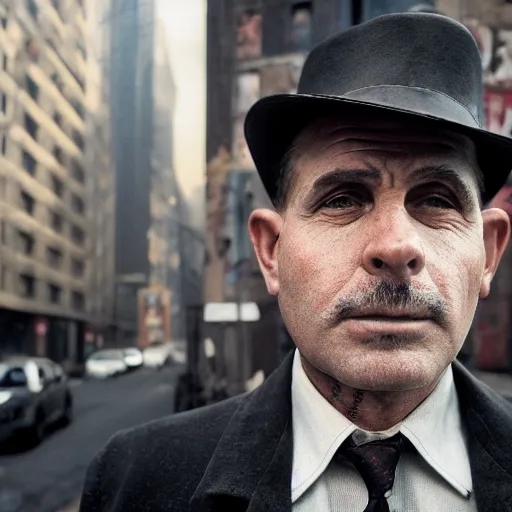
[(340, 202), (437, 202)]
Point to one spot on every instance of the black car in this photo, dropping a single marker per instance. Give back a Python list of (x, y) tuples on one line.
[(34, 393)]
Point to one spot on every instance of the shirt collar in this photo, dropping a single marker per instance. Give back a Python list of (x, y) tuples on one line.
[(434, 428)]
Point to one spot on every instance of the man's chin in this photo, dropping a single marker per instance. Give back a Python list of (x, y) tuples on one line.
[(389, 370)]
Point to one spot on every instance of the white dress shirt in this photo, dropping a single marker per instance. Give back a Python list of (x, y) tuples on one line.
[(434, 477)]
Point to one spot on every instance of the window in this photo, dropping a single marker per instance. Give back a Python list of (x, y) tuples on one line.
[(54, 293), (3, 237), (31, 126), (56, 222), (58, 154), (57, 81), (77, 171), (77, 268), (3, 21), (53, 257), (29, 162), (27, 202), (78, 301), (79, 140), (4, 144), (32, 88), (25, 243), (57, 186), (5, 62), (77, 235), (3, 102), (27, 286), (77, 204), (78, 108), (57, 117), (81, 48), (301, 26), (33, 9)]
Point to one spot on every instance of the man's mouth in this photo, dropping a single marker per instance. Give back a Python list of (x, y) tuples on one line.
[(389, 315)]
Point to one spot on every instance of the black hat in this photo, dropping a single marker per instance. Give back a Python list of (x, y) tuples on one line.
[(415, 65)]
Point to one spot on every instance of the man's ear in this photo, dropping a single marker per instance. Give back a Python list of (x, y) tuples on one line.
[(496, 231), (264, 228)]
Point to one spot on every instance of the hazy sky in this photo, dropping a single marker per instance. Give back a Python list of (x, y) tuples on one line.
[(186, 28)]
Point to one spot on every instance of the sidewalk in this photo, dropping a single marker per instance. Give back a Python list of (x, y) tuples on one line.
[(500, 382)]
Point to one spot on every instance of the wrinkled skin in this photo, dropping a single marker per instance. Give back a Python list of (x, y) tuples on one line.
[(384, 237)]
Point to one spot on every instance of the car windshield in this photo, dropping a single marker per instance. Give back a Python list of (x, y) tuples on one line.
[(12, 376), (131, 351), (107, 355)]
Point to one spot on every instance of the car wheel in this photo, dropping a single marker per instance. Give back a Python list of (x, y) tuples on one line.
[(67, 416)]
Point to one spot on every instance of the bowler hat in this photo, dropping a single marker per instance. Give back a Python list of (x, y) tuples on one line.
[(411, 65)]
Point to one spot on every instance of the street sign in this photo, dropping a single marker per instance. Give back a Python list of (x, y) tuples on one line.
[(216, 312)]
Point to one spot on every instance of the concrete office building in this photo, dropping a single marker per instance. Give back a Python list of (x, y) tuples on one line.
[(44, 224)]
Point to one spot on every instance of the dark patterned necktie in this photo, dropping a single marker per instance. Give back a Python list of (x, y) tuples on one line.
[(376, 462)]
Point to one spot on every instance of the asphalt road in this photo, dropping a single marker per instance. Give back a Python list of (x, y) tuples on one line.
[(49, 477)]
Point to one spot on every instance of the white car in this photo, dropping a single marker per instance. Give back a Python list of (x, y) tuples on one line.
[(105, 363), (157, 355), (133, 358)]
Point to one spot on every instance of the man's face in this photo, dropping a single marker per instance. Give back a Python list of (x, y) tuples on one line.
[(380, 256)]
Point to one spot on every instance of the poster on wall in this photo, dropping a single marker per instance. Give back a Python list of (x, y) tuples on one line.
[(248, 34)]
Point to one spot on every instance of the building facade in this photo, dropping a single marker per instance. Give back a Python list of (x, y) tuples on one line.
[(44, 224), (148, 198)]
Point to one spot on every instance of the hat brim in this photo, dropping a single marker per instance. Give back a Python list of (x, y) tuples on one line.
[(274, 122)]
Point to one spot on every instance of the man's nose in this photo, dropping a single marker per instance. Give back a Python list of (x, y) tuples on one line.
[(395, 248)]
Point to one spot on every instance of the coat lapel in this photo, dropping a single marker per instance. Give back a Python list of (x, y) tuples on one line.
[(488, 421), (250, 469)]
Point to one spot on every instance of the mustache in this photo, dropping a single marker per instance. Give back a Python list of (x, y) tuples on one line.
[(388, 294)]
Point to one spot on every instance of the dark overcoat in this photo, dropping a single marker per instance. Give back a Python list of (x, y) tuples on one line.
[(237, 455)]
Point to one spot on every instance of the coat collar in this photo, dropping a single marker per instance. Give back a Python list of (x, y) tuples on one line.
[(251, 467)]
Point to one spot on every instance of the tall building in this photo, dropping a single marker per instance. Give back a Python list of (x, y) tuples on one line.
[(147, 195), (101, 182), (44, 178)]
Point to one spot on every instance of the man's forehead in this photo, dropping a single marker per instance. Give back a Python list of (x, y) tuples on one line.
[(378, 133)]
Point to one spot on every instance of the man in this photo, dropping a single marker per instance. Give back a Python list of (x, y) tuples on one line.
[(378, 252)]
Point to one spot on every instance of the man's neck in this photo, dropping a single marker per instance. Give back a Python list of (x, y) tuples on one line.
[(373, 411)]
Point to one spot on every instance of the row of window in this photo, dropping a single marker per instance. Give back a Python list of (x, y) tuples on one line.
[(28, 285), (25, 244), (28, 202), (32, 127)]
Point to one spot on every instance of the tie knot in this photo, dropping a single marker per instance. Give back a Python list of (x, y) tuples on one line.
[(376, 462)]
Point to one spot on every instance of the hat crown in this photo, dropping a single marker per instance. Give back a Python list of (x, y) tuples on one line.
[(413, 50)]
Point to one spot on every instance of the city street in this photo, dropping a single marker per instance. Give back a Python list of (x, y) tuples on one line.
[(49, 477)]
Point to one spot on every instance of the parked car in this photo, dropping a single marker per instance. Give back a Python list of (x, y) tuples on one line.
[(34, 393), (133, 358), (157, 355), (105, 363)]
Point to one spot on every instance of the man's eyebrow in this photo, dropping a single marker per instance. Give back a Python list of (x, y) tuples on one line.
[(444, 173), (339, 176)]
